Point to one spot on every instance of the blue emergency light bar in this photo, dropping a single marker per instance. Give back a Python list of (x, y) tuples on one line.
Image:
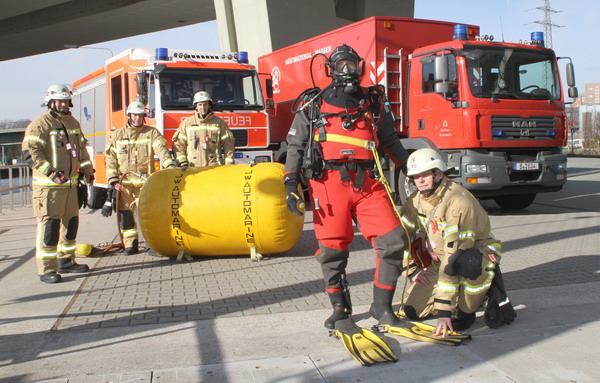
[(162, 54), (461, 32), (537, 38), (243, 57)]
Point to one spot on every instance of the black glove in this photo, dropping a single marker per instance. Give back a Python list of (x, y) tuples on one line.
[(465, 263), (184, 165), (89, 179), (110, 203), (82, 193), (499, 310), (293, 200), (58, 177)]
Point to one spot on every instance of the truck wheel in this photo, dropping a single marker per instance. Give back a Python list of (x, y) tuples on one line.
[(515, 202), (96, 197), (405, 187)]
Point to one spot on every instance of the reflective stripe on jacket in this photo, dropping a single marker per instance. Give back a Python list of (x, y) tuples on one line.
[(132, 149), (203, 141), (55, 143)]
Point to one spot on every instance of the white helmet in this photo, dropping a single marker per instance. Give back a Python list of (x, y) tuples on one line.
[(57, 92), (201, 97), (136, 107), (424, 159)]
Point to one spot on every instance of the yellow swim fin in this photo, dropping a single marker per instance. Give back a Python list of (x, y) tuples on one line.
[(431, 329), (363, 345), (424, 333)]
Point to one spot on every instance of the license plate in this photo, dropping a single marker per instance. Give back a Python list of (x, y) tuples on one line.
[(526, 166)]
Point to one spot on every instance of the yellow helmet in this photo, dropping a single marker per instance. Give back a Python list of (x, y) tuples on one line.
[(83, 249), (424, 159)]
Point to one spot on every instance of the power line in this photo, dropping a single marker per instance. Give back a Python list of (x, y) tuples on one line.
[(547, 22)]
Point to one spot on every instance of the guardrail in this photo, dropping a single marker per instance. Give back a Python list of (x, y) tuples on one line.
[(15, 185)]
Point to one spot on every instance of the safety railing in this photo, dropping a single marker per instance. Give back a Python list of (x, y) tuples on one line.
[(15, 186)]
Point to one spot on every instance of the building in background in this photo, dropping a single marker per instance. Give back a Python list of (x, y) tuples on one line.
[(584, 121)]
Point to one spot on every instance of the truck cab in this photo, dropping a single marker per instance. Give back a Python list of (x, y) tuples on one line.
[(497, 111)]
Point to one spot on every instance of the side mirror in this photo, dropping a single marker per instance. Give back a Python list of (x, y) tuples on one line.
[(441, 68), (142, 87), (269, 87), (573, 92), (442, 88), (570, 75)]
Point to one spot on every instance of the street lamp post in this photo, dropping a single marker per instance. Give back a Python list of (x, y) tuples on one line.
[(73, 46)]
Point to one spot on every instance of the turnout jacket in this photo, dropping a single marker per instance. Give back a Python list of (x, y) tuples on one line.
[(132, 149), (202, 141), (55, 143), (450, 219), (383, 134)]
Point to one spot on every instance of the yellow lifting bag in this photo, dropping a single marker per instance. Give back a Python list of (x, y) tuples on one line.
[(222, 210)]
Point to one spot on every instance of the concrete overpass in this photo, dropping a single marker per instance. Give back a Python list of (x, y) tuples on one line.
[(257, 26)]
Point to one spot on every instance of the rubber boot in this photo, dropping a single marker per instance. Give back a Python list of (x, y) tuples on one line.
[(51, 277), (67, 265), (341, 309), (133, 249), (381, 308), (461, 321)]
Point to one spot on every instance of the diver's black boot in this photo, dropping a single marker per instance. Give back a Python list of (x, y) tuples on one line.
[(381, 308), (67, 265), (461, 321), (341, 309)]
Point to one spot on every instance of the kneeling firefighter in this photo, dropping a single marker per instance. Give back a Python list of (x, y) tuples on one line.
[(130, 157), (334, 142), (460, 256), (57, 148)]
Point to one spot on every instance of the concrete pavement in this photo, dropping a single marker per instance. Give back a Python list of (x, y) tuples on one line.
[(226, 319)]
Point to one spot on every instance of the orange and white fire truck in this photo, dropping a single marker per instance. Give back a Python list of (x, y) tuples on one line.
[(165, 80), (496, 110)]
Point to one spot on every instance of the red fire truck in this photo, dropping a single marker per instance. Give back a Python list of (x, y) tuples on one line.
[(494, 109), (165, 80)]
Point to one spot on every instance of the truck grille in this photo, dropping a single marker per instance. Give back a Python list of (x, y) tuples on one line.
[(519, 128), (241, 137)]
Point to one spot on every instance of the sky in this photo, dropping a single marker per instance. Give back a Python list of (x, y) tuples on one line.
[(24, 81)]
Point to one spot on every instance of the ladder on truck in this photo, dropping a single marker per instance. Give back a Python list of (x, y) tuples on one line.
[(392, 80)]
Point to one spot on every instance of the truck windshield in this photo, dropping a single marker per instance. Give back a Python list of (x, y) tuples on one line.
[(512, 73), (229, 89)]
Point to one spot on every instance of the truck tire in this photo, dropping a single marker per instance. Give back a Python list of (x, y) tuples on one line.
[(405, 186), (515, 202), (96, 197)]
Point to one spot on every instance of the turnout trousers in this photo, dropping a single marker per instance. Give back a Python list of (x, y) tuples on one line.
[(471, 293), (57, 212), (335, 205), (128, 196)]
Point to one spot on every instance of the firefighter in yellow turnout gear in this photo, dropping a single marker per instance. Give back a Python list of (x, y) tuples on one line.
[(58, 150), (453, 275), (130, 153), (203, 139)]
